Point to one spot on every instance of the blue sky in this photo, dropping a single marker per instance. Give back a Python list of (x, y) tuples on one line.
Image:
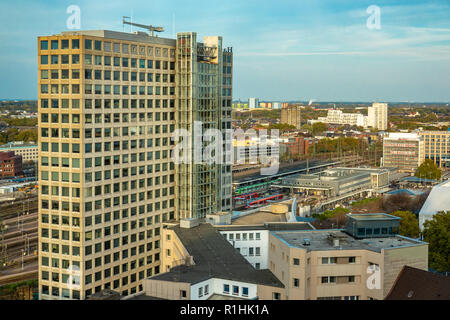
[(284, 50)]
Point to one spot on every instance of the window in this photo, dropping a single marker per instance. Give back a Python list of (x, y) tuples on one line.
[(44, 45), (276, 296), (226, 288), (183, 294), (235, 290), (296, 262), (200, 292), (296, 283)]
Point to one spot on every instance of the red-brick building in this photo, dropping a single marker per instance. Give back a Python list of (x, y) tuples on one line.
[(296, 146), (10, 164)]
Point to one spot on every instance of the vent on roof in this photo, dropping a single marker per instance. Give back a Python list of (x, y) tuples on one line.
[(306, 241)]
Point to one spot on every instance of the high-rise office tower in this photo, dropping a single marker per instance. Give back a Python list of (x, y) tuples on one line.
[(108, 104), (291, 115), (378, 116)]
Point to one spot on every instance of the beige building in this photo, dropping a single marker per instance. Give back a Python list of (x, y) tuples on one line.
[(378, 116), (285, 261), (404, 151), (437, 147), (291, 115), (108, 103), (28, 151)]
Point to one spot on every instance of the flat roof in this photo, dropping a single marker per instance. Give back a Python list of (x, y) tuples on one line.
[(271, 226), (125, 36), (373, 216), (318, 240), (214, 257)]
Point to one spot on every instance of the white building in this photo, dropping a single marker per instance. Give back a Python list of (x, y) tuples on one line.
[(335, 116), (378, 116), (253, 103), (276, 105)]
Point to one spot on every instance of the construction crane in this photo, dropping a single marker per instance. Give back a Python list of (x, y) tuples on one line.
[(150, 28)]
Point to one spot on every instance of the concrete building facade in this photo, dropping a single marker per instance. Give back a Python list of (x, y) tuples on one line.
[(291, 115), (360, 262), (378, 116), (108, 104), (404, 151), (28, 151)]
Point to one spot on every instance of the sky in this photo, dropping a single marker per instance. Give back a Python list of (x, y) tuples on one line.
[(323, 50)]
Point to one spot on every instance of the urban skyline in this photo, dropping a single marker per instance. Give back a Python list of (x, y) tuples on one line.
[(301, 51), (137, 172)]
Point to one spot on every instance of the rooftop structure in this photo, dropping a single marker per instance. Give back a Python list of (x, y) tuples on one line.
[(372, 225), (322, 240)]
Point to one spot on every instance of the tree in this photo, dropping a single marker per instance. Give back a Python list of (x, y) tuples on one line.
[(437, 233), (318, 127), (428, 170), (27, 135), (409, 225)]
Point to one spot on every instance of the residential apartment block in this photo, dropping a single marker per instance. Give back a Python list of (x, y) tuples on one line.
[(108, 104), (378, 116), (338, 117), (291, 115)]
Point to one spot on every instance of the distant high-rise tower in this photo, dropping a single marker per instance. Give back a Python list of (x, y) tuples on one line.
[(253, 103), (378, 116), (291, 115), (108, 105)]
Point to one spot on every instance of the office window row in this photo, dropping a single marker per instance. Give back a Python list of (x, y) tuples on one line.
[(109, 75)]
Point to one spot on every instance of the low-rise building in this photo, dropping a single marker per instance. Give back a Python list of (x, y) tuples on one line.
[(335, 116), (198, 263), (294, 261), (339, 264), (10, 164), (28, 151), (337, 181), (295, 146)]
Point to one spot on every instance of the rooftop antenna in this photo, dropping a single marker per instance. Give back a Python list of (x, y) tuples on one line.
[(150, 28)]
